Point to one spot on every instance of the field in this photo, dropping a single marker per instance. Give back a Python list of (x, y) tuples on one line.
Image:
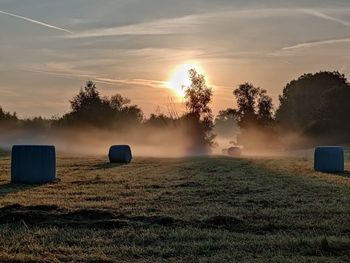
[(208, 209)]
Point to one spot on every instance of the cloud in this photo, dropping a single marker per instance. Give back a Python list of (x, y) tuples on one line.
[(326, 17), (310, 44), (62, 70), (188, 24), (318, 43), (183, 24), (36, 22), (158, 27)]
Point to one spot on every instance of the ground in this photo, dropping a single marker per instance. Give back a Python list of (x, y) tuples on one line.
[(209, 209)]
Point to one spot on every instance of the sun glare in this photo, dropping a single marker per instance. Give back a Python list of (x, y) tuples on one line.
[(179, 79)]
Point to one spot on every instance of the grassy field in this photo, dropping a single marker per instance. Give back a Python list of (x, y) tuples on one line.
[(194, 210)]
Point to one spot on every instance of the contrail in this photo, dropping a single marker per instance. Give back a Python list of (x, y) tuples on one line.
[(36, 22), (318, 43), (327, 17)]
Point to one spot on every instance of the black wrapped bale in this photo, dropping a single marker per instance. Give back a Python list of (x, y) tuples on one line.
[(329, 159), (33, 164), (120, 154), (234, 151)]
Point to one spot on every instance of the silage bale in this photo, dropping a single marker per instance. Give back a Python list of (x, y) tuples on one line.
[(120, 154), (329, 159), (234, 151), (33, 164)]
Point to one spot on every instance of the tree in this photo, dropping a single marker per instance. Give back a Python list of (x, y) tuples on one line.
[(265, 109), (254, 117), (303, 99), (254, 106), (89, 108), (123, 111), (198, 96), (8, 119), (159, 120), (226, 123), (199, 118)]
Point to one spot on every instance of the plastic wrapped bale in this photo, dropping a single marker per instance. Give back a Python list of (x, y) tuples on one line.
[(234, 151), (120, 154), (329, 159), (33, 164)]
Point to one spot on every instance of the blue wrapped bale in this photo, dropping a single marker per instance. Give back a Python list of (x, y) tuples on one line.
[(120, 154), (33, 164), (329, 159)]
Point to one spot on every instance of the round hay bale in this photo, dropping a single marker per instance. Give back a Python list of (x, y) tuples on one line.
[(33, 164), (120, 154), (329, 159), (234, 151)]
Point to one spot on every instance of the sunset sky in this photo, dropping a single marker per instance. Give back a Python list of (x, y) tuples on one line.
[(49, 48)]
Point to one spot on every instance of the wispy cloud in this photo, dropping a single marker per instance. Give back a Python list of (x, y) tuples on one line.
[(318, 43), (325, 16), (65, 71), (158, 27), (36, 22), (183, 24), (310, 44), (188, 24)]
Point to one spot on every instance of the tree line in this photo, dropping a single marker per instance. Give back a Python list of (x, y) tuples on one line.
[(313, 106)]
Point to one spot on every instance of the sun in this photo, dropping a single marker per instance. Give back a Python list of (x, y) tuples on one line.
[(179, 79)]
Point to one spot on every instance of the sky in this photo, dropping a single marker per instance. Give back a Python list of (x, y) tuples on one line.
[(49, 48)]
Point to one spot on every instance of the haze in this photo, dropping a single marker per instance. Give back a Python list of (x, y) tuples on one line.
[(50, 48)]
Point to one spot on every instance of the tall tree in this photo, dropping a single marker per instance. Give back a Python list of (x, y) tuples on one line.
[(198, 96), (254, 106), (255, 117), (199, 116), (265, 109)]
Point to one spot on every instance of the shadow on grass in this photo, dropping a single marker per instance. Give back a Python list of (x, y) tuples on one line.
[(108, 165), (10, 188), (343, 174)]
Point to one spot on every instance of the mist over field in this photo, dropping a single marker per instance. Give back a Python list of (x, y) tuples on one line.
[(151, 142)]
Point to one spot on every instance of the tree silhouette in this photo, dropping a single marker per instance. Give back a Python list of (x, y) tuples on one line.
[(89, 108), (226, 123), (302, 99), (199, 118), (254, 106), (8, 119), (254, 117)]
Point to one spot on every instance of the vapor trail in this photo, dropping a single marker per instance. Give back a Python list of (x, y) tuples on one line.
[(326, 17), (36, 22), (317, 43)]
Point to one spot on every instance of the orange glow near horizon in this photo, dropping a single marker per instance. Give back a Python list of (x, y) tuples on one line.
[(179, 78)]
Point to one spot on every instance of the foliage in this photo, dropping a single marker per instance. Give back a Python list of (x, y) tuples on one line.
[(226, 123), (303, 99), (254, 106), (199, 118), (254, 117), (198, 96), (159, 120), (6, 118), (89, 108)]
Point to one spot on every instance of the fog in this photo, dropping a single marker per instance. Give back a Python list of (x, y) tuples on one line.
[(149, 141), (144, 141)]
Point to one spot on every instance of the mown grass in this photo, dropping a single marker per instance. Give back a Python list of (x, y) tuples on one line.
[(195, 210)]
